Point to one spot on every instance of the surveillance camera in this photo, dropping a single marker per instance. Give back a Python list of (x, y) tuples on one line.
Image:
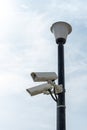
[(39, 89), (43, 76)]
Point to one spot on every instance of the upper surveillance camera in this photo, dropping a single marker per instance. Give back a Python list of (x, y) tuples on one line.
[(39, 89), (43, 76)]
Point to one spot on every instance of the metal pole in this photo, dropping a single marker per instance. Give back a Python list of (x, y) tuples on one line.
[(61, 121), (61, 30)]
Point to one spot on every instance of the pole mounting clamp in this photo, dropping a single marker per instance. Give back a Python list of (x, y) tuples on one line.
[(61, 106)]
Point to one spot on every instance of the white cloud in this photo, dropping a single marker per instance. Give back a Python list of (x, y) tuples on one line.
[(22, 48)]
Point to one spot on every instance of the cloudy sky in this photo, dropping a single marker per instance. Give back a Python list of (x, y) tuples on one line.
[(26, 45)]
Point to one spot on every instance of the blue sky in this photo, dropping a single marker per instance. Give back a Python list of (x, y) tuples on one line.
[(26, 45)]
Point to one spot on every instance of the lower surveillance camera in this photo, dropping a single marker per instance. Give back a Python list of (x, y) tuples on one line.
[(39, 89)]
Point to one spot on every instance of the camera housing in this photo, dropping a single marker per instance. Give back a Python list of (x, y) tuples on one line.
[(43, 76), (39, 89)]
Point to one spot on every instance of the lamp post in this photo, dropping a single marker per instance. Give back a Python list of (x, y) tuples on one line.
[(60, 31), (57, 92)]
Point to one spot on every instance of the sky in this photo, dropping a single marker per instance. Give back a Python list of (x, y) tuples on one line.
[(27, 45)]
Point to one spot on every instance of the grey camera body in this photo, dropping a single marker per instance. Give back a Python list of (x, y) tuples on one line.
[(39, 89), (43, 76)]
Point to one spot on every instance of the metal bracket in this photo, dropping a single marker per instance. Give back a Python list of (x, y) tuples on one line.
[(58, 88), (54, 91)]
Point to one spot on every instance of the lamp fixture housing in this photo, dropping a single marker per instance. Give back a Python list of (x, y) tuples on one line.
[(61, 30)]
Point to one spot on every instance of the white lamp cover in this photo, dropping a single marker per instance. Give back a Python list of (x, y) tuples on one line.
[(61, 30)]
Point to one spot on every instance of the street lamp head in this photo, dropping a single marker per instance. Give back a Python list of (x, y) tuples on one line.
[(61, 30)]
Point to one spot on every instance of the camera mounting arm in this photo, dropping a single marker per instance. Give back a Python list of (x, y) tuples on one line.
[(55, 90)]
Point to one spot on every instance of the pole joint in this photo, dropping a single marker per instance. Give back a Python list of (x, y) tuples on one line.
[(61, 106)]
